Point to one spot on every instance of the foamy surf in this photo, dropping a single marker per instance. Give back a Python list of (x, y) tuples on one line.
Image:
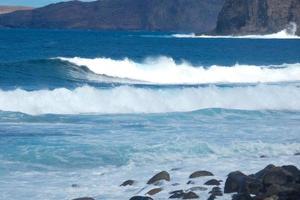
[(127, 99), (165, 70), (288, 33)]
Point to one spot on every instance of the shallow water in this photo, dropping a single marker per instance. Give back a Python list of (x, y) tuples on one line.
[(99, 119)]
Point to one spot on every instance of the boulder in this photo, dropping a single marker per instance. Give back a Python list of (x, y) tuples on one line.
[(190, 195), (159, 177), (140, 198), (154, 191), (233, 182), (211, 197), (200, 174), (241, 197), (176, 194), (277, 175), (241, 183), (190, 182), (216, 191), (128, 183), (197, 188), (212, 182), (84, 198)]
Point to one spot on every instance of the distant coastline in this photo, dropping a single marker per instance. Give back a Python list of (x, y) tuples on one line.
[(9, 9)]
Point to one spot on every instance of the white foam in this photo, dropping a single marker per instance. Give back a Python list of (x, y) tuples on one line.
[(288, 33), (127, 99), (164, 70)]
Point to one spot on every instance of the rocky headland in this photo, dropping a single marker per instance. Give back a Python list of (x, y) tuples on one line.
[(246, 17), (150, 15), (271, 183)]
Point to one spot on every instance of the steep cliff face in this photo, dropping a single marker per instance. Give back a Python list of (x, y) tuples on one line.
[(165, 15), (240, 17)]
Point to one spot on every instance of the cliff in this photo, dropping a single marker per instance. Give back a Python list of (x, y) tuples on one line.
[(242, 17), (164, 15), (9, 9)]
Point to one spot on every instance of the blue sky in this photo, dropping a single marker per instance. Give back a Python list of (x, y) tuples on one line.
[(35, 3)]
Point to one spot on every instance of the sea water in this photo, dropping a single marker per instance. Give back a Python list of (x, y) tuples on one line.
[(83, 111)]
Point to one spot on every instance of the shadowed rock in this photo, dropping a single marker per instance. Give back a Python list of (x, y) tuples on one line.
[(197, 188), (176, 194), (216, 191), (84, 198), (140, 198), (190, 195), (247, 17), (128, 183), (154, 191), (200, 174), (212, 182), (242, 197), (159, 177)]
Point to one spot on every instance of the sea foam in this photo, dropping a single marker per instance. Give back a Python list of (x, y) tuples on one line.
[(126, 99), (164, 70), (288, 33)]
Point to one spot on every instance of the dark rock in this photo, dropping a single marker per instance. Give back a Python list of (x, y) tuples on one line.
[(175, 184), (241, 183), (277, 175), (233, 182), (140, 198), (297, 154), (176, 194), (241, 197), (211, 197), (244, 17), (175, 169), (159, 177), (200, 174), (263, 156), (154, 191), (84, 198), (190, 195), (216, 191), (212, 182), (261, 173), (166, 15), (197, 188), (127, 183), (190, 182), (74, 185)]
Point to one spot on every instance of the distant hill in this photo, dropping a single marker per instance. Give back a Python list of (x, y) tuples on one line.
[(163, 15), (9, 9), (241, 17)]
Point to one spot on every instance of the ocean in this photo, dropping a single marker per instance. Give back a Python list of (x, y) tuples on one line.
[(83, 111)]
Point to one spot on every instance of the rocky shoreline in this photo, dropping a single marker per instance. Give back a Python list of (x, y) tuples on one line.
[(271, 183)]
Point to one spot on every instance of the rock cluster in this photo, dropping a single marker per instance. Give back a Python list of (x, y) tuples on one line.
[(271, 183)]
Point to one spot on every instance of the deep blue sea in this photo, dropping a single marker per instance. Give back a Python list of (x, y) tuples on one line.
[(92, 109)]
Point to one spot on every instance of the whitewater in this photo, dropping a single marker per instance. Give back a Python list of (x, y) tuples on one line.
[(87, 110), (164, 70), (288, 33)]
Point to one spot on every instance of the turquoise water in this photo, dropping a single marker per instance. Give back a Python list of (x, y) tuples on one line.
[(97, 108)]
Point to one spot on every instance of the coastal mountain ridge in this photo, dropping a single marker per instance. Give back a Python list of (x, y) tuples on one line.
[(245, 17), (9, 9), (152, 15)]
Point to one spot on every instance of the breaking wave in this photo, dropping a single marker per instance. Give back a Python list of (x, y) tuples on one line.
[(165, 70), (125, 99), (288, 33)]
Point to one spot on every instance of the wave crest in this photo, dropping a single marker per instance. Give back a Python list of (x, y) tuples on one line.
[(127, 99), (165, 70)]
